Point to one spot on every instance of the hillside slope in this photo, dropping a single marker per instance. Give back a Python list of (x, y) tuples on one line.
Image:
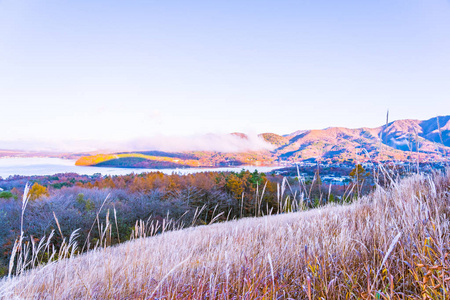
[(396, 140), (394, 243)]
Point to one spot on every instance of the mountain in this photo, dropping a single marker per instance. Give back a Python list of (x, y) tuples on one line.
[(435, 130), (396, 140), (399, 140), (275, 139)]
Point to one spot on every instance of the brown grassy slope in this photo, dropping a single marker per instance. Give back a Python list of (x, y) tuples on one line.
[(392, 244)]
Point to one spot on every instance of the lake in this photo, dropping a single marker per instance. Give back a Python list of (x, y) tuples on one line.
[(48, 166)]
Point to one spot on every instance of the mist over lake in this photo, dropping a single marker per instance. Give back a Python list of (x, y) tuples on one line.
[(48, 166)]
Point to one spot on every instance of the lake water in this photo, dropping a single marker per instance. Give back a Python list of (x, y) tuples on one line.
[(48, 166)]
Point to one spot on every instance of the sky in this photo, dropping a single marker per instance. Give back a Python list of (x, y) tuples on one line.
[(113, 71)]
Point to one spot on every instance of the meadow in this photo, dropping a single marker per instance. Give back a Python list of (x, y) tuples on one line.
[(390, 244), (92, 204)]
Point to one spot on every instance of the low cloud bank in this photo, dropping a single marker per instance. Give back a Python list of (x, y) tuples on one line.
[(205, 142)]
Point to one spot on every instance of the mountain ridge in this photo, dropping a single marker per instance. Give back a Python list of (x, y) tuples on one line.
[(395, 140), (425, 140)]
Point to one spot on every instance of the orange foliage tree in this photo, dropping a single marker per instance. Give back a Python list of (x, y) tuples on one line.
[(37, 191)]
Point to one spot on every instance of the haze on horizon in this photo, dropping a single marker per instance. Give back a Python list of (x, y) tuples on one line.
[(114, 71)]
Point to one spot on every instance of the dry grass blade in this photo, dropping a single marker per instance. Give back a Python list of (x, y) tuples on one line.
[(57, 224), (393, 243), (386, 256), (86, 243)]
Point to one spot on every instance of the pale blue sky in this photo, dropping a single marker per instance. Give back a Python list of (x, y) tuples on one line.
[(113, 70)]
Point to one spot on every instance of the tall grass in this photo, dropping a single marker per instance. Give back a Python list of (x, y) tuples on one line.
[(392, 244)]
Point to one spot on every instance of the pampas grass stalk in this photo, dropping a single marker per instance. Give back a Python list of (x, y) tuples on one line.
[(393, 243)]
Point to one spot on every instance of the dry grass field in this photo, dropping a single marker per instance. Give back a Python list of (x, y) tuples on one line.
[(392, 244)]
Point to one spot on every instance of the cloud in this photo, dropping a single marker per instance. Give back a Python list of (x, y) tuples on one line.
[(206, 142), (203, 142)]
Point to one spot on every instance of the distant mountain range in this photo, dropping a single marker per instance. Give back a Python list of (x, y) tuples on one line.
[(399, 140), (396, 140), (402, 140)]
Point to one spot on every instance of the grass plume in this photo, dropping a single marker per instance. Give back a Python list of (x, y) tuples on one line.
[(391, 244)]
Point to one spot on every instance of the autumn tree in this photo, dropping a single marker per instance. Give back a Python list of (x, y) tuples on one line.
[(235, 185), (359, 175), (37, 191), (17, 194)]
